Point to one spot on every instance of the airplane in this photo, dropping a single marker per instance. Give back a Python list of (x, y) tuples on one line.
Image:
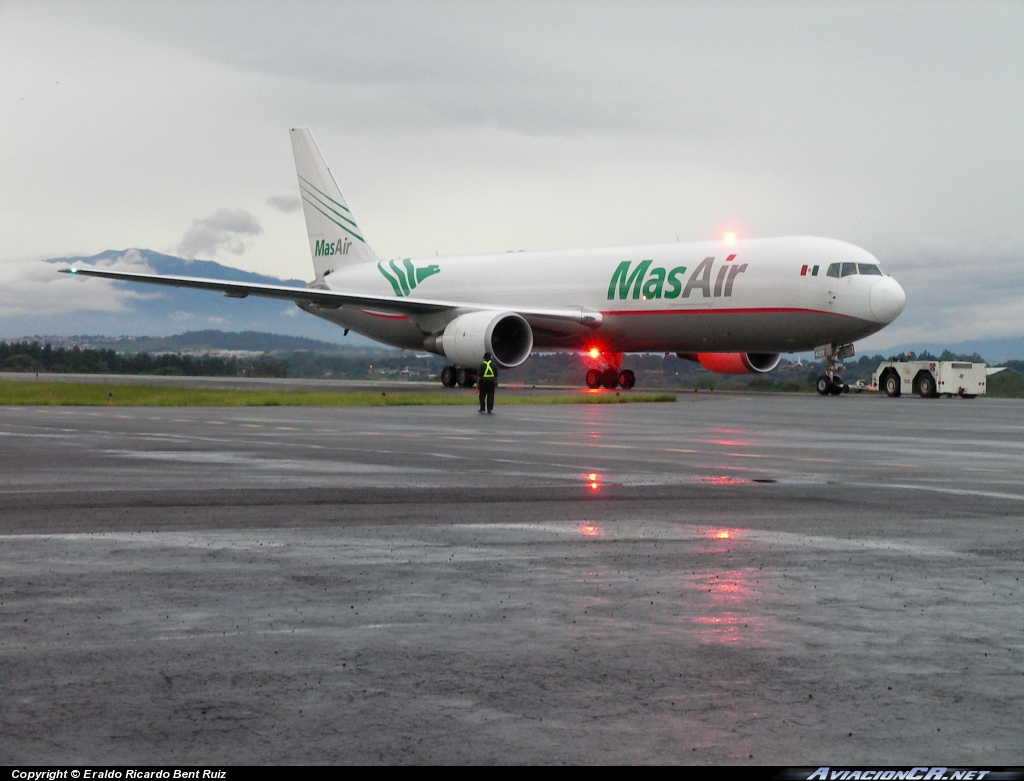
[(733, 305)]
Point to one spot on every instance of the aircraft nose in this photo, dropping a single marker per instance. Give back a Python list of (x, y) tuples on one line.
[(887, 300)]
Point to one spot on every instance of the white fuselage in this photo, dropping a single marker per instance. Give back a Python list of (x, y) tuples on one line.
[(757, 295)]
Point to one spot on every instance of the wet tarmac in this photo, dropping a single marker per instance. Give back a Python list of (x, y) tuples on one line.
[(732, 579)]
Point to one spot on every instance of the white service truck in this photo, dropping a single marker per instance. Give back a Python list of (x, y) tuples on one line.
[(930, 379)]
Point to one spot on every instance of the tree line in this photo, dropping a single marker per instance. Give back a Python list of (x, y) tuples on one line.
[(33, 357), (542, 369)]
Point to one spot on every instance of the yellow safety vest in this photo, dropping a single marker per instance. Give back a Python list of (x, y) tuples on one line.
[(488, 371)]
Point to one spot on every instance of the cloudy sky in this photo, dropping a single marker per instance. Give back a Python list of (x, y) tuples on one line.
[(471, 127)]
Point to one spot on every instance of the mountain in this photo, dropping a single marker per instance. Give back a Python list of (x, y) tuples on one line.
[(165, 311)]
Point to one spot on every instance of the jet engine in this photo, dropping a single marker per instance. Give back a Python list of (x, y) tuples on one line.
[(735, 363), (505, 335)]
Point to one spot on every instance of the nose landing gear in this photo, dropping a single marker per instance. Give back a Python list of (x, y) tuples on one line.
[(826, 385), (831, 383)]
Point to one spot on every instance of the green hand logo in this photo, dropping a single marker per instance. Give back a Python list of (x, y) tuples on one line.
[(406, 277)]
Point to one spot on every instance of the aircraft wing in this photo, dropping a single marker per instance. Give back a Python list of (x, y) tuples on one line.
[(547, 319)]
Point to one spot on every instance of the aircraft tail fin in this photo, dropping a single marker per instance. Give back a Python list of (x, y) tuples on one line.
[(335, 240)]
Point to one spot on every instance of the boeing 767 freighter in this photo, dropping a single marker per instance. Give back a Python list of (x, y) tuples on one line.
[(734, 306)]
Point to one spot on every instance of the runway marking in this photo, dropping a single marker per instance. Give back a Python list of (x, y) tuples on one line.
[(904, 466), (215, 423), (248, 425), (678, 450), (181, 420), (288, 428), (938, 489), (978, 469)]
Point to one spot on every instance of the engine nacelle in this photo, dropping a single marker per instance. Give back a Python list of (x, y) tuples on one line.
[(736, 363), (505, 335)]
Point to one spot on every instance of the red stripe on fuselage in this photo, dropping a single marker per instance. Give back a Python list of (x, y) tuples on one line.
[(750, 311), (383, 316)]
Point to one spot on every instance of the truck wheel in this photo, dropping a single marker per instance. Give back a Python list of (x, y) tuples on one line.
[(926, 386), (823, 385), (891, 383)]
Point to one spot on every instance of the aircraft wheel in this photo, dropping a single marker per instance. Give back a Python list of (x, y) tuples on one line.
[(627, 379), (465, 378), (891, 384), (926, 386), (593, 379), (448, 377), (610, 379), (823, 385), (837, 387)]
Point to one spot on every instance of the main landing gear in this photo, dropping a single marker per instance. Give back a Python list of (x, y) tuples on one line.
[(455, 375), (610, 377)]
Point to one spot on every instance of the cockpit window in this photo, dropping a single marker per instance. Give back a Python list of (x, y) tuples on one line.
[(869, 268), (849, 269), (833, 270)]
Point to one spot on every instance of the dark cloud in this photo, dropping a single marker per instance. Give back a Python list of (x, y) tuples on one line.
[(954, 290), (284, 203), (873, 114), (227, 229)]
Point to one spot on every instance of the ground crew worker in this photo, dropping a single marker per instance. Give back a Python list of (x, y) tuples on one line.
[(487, 381)]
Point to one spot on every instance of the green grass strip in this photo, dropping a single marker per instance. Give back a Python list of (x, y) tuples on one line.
[(42, 394)]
